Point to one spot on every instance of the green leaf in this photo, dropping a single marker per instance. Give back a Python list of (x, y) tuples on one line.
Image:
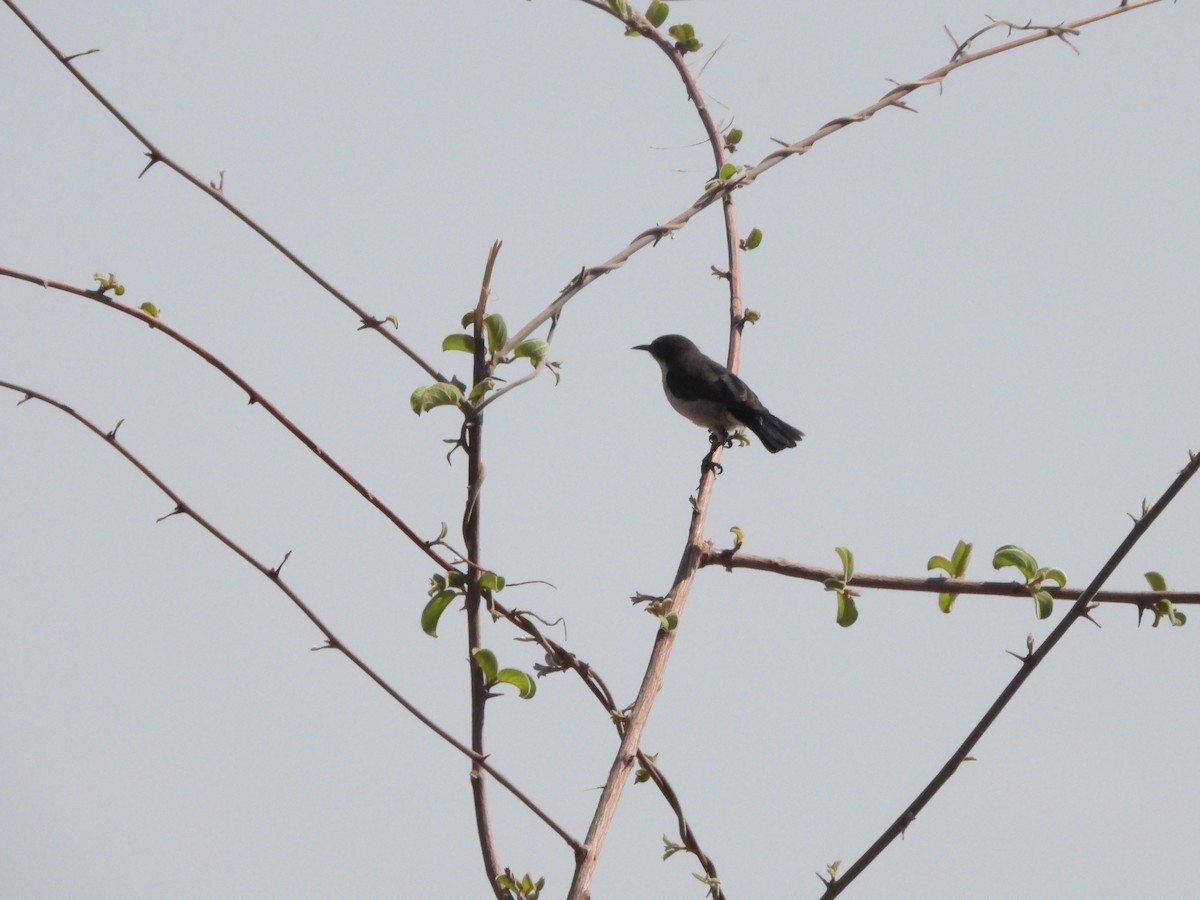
[(1157, 582), (456, 341), (443, 393), (620, 7), (1012, 555), (739, 537), (497, 332), (657, 12), (961, 558), (946, 602), (940, 562), (669, 622), (149, 309), (433, 611), (733, 137), (847, 612), (727, 171), (488, 665), (490, 581), (847, 562), (518, 679), (482, 388), (456, 579), (753, 239), (685, 38), (1043, 604), (535, 349), (1055, 575), (468, 319)]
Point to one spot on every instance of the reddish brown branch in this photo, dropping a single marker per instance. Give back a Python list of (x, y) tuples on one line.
[(158, 324), (216, 192), (730, 559), (273, 575)]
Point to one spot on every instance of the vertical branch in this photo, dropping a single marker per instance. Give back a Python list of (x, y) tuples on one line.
[(664, 640), (473, 432)]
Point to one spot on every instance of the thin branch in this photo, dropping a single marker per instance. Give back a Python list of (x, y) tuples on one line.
[(158, 324), (473, 433), (273, 575), (731, 559), (1077, 611), (685, 830), (893, 98), (217, 193), (634, 724)]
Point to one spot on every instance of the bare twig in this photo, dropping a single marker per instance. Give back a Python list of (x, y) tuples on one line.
[(216, 192), (255, 397), (272, 574), (893, 98)]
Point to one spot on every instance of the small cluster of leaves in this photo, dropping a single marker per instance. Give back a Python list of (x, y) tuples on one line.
[(524, 888), (661, 607), (109, 284), (1162, 608), (685, 38), (670, 848), (554, 663), (450, 393), (444, 588), (954, 567), (494, 675), (642, 775), (847, 612), (1035, 576)]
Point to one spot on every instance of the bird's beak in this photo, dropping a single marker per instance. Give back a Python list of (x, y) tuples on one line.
[(645, 347)]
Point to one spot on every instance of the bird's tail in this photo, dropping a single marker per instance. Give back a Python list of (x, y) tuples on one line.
[(774, 433)]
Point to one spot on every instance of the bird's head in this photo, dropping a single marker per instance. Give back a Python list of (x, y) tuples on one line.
[(667, 347)]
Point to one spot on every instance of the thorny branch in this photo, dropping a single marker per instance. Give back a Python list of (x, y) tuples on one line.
[(332, 641), (893, 98), (216, 192), (1078, 610), (735, 559)]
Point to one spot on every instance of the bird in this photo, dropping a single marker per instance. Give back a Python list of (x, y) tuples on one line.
[(707, 393)]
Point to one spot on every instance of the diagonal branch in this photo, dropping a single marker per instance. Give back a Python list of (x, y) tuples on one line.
[(1029, 663), (273, 574), (894, 97), (217, 193), (158, 324)]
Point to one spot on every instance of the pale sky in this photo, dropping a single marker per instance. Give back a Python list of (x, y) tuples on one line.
[(982, 314)]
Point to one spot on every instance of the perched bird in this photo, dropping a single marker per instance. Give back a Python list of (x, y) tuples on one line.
[(710, 395)]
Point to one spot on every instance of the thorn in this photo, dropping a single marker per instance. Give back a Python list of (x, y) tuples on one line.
[(275, 571), (112, 435), (177, 511), (75, 56), (154, 157)]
